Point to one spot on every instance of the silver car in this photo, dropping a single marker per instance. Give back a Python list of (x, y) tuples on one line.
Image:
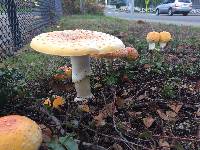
[(171, 7)]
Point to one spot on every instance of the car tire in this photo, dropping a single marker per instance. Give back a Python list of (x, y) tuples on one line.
[(185, 14), (157, 12), (170, 12), (117, 6)]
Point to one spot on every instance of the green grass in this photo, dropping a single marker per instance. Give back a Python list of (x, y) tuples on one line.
[(36, 65)]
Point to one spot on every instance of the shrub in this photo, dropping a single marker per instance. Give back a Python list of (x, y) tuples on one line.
[(92, 8), (11, 84)]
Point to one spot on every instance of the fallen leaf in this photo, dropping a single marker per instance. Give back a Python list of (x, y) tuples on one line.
[(141, 97), (134, 114), (175, 106), (126, 126), (197, 86), (162, 115), (47, 102), (171, 115), (97, 85), (147, 66), (116, 147), (84, 108), (148, 121), (46, 133), (120, 102), (109, 110), (198, 112), (164, 144), (99, 120), (125, 78), (58, 101)]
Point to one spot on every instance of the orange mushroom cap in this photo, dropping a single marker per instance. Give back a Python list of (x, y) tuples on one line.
[(128, 52), (153, 37), (19, 133), (165, 37)]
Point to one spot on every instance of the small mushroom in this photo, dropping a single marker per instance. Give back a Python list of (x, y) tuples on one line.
[(164, 38), (128, 52), (19, 133), (79, 45), (125, 53), (152, 38)]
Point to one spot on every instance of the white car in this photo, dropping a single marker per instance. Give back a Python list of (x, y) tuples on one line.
[(171, 7)]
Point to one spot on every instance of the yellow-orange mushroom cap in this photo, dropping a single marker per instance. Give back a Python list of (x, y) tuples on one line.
[(153, 37), (19, 133), (165, 37)]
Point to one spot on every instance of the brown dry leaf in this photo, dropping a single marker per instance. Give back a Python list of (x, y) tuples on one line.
[(171, 115), (134, 114), (148, 121), (109, 110), (99, 120), (141, 97), (147, 66), (120, 102), (164, 144), (117, 147), (46, 133), (198, 112), (197, 86), (84, 108), (175, 106), (162, 115)]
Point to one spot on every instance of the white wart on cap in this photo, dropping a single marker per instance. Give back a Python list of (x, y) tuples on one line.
[(76, 43)]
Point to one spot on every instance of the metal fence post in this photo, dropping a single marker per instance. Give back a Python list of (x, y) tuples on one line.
[(14, 23)]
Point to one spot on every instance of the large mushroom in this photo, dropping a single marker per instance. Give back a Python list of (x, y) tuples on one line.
[(19, 133), (79, 45)]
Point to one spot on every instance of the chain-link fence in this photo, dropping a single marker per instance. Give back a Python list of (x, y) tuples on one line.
[(20, 20)]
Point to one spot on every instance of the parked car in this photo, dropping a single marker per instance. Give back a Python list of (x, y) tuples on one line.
[(171, 7), (118, 3)]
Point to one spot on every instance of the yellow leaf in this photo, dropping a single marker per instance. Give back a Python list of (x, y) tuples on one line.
[(47, 102), (68, 72), (58, 101)]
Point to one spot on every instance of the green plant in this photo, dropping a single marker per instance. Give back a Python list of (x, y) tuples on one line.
[(12, 84), (112, 79), (170, 87), (35, 65), (63, 143)]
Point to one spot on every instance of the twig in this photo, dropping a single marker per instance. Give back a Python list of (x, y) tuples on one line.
[(114, 123), (178, 138), (54, 119), (62, 131), (90, 146), (118, 139)]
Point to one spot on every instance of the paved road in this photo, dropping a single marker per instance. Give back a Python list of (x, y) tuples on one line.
[(191, 20)]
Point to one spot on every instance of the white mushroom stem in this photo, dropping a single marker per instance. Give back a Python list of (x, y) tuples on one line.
[(80, 76), (152, 46), (162, 45)]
